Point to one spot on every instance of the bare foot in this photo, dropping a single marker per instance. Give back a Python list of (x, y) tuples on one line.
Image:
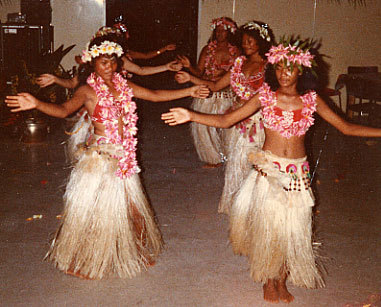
[(270, 292), (210, 165), (284, 295)]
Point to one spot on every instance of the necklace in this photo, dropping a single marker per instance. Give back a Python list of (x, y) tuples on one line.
[(244, 87), (112, 109), (211, 66)]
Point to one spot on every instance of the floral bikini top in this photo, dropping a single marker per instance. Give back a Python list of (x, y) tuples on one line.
[(287, 123), (212, 68), (245, 87)]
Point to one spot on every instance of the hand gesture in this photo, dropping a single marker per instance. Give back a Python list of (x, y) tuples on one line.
[(182, 77), (170, 47), (176, 116), (174, 66), (200, 91), (184, 60), (45, 80), (22, 102)]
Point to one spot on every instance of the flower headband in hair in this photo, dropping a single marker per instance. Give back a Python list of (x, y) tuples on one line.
[(106, 47), (106, 31), (227, 24), (263, 29), (122, 28), (291, 54)]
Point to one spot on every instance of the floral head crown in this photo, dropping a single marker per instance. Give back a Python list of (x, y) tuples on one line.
[(106, 47), (292, 54), (122, 28), (262, 29), (226, 23), (106, 31)]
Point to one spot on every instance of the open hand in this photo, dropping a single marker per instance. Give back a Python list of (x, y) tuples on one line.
[(45, 80), (174, 66), (200, 91), (176, 116), (21, 102), (184, 60), (182, 77)]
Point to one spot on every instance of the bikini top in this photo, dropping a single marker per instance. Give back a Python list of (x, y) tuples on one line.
[(101, 114), (212, 67), (245, 87), (287, 123)]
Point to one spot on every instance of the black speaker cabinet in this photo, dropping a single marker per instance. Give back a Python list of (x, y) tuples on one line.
[(37, 12), (23, 42)]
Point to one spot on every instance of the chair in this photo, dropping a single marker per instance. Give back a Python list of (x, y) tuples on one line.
[(333, 92), (360, 97)]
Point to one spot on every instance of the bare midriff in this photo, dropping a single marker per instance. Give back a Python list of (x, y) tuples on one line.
[(292, 148)]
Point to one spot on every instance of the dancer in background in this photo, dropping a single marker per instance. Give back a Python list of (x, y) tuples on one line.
[(121, 34), (107, 225), (215, 60), (245, 79), (270, 220)]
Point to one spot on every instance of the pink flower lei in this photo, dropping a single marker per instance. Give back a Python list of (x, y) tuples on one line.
[(285, 124), (112, 109), (211, 65), (245, 88)]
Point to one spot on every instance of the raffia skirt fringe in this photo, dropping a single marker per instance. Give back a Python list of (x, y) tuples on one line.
[(270, 221), (207, 140), (78, 135), (238, 146), (107, 225)]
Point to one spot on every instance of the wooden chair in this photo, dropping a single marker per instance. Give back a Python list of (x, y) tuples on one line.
[(361, 102)]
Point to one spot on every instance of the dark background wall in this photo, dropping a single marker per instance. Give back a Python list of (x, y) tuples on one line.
[(155, 23)]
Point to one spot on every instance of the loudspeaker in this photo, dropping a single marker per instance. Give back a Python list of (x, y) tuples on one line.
[(23, 43), (37, 12)]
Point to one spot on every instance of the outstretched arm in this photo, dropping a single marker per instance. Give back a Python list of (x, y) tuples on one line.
[(25, 101), (149, 70), (214, 86), (178, 116), (198, 91), (48, 79), (342, 125), (151, 54)]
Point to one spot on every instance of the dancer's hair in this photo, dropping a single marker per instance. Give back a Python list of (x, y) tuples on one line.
[(262, 34), (87, 68), (232, 37)]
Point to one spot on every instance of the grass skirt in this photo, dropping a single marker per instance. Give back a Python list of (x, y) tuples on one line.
[(237, 167), (78, 135), (107, 225), (207, 140), (270, 221)]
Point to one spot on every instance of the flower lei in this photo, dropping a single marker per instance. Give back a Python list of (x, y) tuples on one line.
[(291, 54), (113, 109), (106, 47), (227, 24), (211, 65), (241, 85), (263, 29), (285, 123)]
